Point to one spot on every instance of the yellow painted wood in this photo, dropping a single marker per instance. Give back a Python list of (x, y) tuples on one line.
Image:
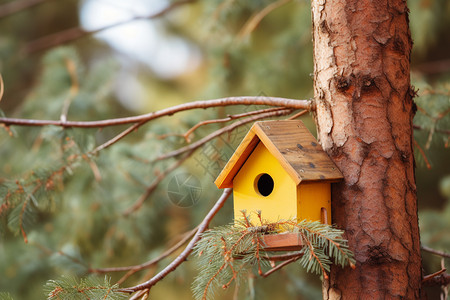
[(290, 142), (280, 204), (311, 197), (245, 148), (301, 171)]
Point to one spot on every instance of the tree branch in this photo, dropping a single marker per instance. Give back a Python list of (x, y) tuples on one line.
[(280, 266), (244, 100), (228, 128), (254, 21), (117, 137), (150, 189), (298, 115), (74, 88), (224, 120), (442, 279), (187, 251), (75, 33), (433, 251), (423, 154), (150, 263), (445, 131), (13, 7)]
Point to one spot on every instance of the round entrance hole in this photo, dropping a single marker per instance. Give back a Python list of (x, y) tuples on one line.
[(264, 184)]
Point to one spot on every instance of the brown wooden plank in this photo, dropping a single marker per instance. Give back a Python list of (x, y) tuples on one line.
[(243, 151), (297, 150), (292, 144), (282, 242), (273, 149)]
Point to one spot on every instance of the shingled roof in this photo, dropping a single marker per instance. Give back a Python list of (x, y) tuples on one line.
[(292, 144)]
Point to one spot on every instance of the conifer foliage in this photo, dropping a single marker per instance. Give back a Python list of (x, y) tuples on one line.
[(87, 288), (95, 200), (229, 253)]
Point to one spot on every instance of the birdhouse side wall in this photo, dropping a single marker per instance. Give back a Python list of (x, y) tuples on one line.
[(311, 197), (280, 203)]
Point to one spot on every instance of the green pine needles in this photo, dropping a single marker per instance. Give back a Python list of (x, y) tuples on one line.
[(5, 296), (88, 288), (229, 253)]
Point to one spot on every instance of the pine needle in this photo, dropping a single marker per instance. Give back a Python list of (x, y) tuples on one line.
[(229, 253)]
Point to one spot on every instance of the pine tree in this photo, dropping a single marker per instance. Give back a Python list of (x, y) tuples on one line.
[(75, 204)]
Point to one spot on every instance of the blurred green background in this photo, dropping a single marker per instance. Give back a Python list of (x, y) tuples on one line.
[(58, 54)]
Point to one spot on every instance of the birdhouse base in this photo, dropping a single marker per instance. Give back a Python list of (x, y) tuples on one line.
[(282, 242)]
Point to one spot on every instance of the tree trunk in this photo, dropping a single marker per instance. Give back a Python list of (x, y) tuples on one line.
[(364, 120)]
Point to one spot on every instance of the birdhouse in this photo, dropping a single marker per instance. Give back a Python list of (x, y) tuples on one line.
[(281, 170)]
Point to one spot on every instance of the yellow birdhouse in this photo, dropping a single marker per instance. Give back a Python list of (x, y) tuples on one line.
[(281, 170)]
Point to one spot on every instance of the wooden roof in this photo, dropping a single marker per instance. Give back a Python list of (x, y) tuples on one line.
[(292, 144)]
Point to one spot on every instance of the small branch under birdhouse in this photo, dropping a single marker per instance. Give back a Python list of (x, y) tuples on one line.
[(227, 252)]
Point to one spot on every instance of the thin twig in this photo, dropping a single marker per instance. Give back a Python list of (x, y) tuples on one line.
[(434, 251), (74, 88), (298, 115), (2, 87), (280, 266), (150, 263), (151, 188), (430, 276), (49, 252), (140, 295), (440, 280), (253, 22), (433, 67), (187, 251), (117, 138), (75, 33), (227, 119), (423, 154), (222, 6), (216, 133), (244, 100), (418, 127), (13, 7)]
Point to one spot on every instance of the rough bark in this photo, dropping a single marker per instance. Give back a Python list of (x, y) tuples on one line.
[(364, 120)]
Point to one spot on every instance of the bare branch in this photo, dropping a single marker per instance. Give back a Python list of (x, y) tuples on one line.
[(442, 279), (253, 22), (423, 154), (187, 251), (276, 268), (2, 87), (13, 7), (433, 67), (152, 262), (117, 138), (298, 115), (244, 100), (228, 128), (430, 276), (74, 88), (142, 295), (155, 184), (227, 119), (49, 252), (75, 33), (445, 131), (434, 251)]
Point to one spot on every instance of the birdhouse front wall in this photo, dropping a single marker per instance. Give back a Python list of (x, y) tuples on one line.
[(263, 184), (312, 197)]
